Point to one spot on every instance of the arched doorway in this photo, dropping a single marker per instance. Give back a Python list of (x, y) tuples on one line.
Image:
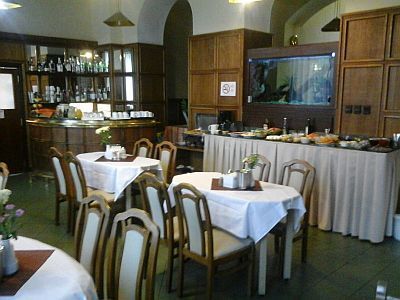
[(178, 27)]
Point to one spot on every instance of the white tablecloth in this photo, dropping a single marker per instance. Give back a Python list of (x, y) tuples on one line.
[(60, 278), (355, 192), (113, 177), (245, 213)]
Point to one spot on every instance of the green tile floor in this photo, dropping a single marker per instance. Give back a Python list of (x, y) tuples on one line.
[(338, 267)]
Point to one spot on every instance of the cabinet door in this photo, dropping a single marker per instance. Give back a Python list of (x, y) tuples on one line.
[(394, 36), (201, 117), (361, 93), (391, 124), (364, 37), (230, 51), (202, 89), (392, 102), (202, 53)]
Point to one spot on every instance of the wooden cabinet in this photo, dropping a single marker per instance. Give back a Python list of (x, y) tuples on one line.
[(369, 90), (215, 58)]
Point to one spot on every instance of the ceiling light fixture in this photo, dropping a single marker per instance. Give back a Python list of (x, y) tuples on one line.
[(243, 1), (8, 5), (333, 25), (118, 19)]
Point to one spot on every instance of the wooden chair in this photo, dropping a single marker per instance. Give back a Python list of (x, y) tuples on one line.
[(154, 199), (91, 233), (143, 148), (4, 172), (206, 244), (300, 175), (77, 189), (262, 169), (166, 153), (131, 255), (58, 166)]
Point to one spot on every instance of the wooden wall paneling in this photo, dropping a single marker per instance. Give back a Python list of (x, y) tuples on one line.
[(391, 124), (256, 39), (151, 59), (357, 92), (230, 50), (158, 108), (394, 36), (230, 77), (392, 88), (202, 89), (12, 52), (202, 53), (151, 88), (59, 134), (364, 37)]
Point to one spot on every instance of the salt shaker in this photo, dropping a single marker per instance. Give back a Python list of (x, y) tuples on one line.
[(122, 153)]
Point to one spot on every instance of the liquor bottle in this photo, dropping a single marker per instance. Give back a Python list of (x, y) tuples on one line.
[(67, 65), (77, 94), (308, 127), (101, 66), (78, 66), (60, 67), (52, 66), (45, 65), (58, 94), (284, 126), (105, 96), (73, 65)]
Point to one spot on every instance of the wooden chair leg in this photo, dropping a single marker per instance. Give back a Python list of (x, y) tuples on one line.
[(180, 274), (210, 280), (170, 265)]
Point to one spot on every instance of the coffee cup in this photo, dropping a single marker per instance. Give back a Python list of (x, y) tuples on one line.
[(115, 115), (213, 128), (120, 115), (125, 115)]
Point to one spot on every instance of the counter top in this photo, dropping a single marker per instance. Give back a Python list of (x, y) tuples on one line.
[(148, 122)]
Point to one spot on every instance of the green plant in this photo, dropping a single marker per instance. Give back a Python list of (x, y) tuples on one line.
[(250, 161), (105, 135), (9, 216)]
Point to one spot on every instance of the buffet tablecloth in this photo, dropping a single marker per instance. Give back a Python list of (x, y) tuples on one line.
[(60, 277), (355, 192)]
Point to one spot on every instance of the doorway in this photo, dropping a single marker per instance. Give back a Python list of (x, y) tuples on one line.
[(13, 148)]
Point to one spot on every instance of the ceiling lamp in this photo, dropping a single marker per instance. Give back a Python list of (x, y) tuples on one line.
[(118, 19), (243, 1), (8, 5), (333, 25)]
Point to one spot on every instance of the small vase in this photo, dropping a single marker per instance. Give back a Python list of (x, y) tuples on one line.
[(108, 153), (10, 262)]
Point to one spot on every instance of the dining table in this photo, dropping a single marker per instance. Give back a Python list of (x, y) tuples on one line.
[(46, 273), (115, 176), (250, 213)]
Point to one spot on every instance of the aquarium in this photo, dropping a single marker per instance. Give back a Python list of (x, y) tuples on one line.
[(299, 80)]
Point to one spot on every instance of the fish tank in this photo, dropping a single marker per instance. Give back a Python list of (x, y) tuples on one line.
[(295, 80)]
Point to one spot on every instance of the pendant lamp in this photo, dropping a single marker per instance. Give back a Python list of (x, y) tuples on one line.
[(242, 1), (118, 19), (8, 5), (334, 24)]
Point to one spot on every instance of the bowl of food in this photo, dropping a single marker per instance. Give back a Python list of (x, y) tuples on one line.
[(304, 140)]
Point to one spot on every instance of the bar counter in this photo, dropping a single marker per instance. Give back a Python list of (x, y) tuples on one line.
[(355, 192), (79, 136)]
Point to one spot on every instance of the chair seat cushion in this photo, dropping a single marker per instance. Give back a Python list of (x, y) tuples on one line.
[(109, 197), (225, 243), (176, 228)]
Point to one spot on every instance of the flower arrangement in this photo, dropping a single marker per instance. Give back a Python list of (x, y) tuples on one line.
[(105, 135), (9, 215), (250, 161)]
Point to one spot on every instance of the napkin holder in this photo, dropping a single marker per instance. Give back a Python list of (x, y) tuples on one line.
[(230, 180)]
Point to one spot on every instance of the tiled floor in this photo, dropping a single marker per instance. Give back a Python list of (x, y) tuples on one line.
[(338, 267)]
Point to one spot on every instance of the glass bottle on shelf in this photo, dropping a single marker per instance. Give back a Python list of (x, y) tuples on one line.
[(105, 94), (78, 66), (77, 94), (73, 65), (45, 66), (52, 66), (308, 128), (67, 64), (60, 67)]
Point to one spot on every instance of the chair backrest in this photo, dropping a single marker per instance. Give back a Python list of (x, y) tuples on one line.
[(91, 232), (300, 175), (166, 153), (4, 172), (155, 199), (131, 255), (76, 179), (143, 148), (194, 218), (262, 169), (58, 166)]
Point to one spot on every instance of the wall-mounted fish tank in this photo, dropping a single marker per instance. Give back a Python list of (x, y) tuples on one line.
[(295, 80)]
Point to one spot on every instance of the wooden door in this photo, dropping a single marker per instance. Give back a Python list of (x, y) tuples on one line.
[(13, 150)]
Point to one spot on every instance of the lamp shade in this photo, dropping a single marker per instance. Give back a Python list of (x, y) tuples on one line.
[(333, 25), (8, 5), (118, 20), (243, 1)]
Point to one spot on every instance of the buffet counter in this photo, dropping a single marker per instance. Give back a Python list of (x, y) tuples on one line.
[(79, 136), (355, 192)]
